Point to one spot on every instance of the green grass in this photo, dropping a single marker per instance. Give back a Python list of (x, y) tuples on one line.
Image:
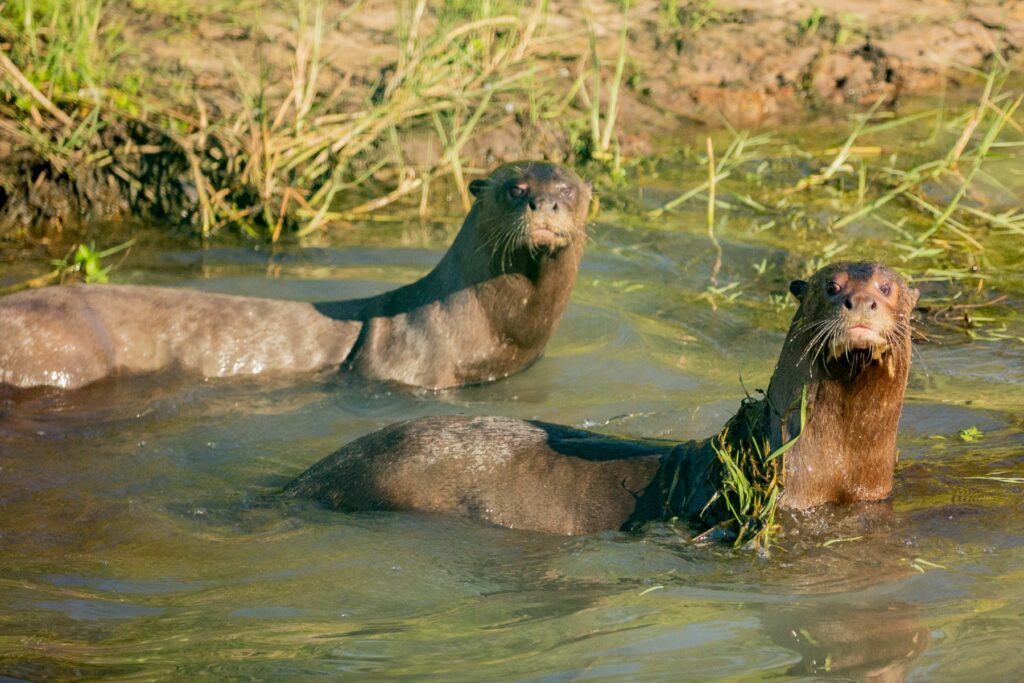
[(59, 50), (601, 136), (284, 163), (882, 175), (752, 471), (67, 45)]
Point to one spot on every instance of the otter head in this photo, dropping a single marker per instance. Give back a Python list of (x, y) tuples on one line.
[(852, 313), (847, 352), (534, 205)]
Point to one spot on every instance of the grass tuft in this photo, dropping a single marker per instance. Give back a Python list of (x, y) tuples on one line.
[(291, 157), (752, 479)]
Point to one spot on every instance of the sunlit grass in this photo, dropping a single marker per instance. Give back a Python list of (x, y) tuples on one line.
[(752, 471), (319, 154), (862, 176)]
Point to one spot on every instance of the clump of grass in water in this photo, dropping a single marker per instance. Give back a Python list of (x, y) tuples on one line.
[(952, 227), (82, 262), (752, 472)]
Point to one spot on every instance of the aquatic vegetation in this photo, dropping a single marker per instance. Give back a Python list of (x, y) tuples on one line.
[(859, 180), (969, 434), (82, 261), (752, 478), (87, 261), (931, 190)]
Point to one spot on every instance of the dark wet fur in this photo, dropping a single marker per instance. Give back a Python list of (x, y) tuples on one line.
[(492, 303), (485, 312), (848, 449), (545, 477)]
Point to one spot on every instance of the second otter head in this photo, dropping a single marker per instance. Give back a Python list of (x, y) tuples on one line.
[(854, 311), (535, 205)]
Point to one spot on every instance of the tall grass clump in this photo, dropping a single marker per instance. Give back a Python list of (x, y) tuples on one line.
[(75, 143), (294, 162), (924, 176), (602, 119), (292, 156)]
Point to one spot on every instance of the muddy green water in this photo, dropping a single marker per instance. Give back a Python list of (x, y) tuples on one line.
[(141, 538)]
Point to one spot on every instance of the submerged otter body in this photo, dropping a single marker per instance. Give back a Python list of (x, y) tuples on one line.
[(484, 312), (849, 345), (71, 336)]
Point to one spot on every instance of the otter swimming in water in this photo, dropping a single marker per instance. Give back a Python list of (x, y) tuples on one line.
[(483, 313), (838, 386)]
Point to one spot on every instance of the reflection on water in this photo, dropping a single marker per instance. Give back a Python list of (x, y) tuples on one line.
[(877, 642), (142, 538)]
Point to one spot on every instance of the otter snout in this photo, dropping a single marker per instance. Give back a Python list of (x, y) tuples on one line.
[(860, 302), (549, 218), (863, 321), (860, 312), (549, 203), (855, 311), (542, 204)]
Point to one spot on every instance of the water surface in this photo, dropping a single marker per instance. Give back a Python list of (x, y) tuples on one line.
[(142, 537)]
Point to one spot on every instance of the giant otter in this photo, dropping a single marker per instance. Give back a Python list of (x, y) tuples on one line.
[(838, 385), (486, 311)]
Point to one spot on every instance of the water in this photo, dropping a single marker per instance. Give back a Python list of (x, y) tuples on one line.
[(142, 538)]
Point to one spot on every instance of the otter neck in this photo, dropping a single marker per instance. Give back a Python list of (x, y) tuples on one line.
[(847, 449)]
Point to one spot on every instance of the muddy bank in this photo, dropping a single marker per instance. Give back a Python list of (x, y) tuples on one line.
[(747, 62), (202, 157), (755, 63)]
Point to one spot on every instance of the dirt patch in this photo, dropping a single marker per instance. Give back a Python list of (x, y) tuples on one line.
[(748, 61), (753, 63)]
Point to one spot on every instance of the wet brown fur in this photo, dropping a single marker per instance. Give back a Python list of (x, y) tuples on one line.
[(847, 451), (484, 312), (545, 477)]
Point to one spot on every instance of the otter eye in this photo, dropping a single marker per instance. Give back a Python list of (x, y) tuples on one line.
[(832, 288), (517, 191), (567, 192), (885, 288)]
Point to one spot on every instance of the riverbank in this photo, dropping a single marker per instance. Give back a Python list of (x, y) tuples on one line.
[(289, 118)]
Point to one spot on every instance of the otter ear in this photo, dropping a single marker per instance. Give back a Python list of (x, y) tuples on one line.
[(798, 288), (477, 187), (913, 296)]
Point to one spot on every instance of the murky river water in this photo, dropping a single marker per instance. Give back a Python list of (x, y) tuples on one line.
[(141, 537)]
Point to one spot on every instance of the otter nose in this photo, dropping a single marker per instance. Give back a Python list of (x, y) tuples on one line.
[(543, 203), (860, 301)]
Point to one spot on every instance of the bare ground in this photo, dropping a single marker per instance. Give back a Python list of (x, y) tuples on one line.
[(746, 62)]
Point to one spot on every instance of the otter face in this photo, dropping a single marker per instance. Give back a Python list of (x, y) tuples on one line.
[(534, 204), (856, 311)]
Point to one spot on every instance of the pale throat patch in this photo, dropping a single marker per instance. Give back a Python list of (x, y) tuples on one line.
[(880, 353)]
